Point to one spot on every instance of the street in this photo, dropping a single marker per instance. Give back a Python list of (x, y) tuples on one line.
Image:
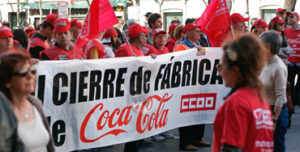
[(172, 145)]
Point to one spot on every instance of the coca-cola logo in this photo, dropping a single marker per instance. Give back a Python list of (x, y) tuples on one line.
[(147, 119)]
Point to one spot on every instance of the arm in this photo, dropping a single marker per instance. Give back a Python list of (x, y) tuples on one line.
[(280, 80), (35, 52)]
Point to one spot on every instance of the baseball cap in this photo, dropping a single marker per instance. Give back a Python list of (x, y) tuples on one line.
[(260, 23), (280, 10), (5, 32), (157, 31), (189, 27), (293, 13), (136, 29), (277, 19), (51, 19), (62, 25), (29, 29), (110, 32), (172, 27), (76, 23), (236, 18)]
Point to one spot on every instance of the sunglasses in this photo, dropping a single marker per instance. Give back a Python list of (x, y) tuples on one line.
[(280, 24), (24, 72)]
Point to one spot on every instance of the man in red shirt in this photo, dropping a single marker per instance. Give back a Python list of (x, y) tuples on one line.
[(76, 26), (38, 42), (238, 24), (62, 50), (137, 41), (293, 38), (159, 42), (281, 12), (6, 40)]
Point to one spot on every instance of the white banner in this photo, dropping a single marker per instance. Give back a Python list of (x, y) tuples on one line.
[(95, 103)]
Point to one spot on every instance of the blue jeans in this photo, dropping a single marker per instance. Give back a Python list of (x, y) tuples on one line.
[(280, 131)]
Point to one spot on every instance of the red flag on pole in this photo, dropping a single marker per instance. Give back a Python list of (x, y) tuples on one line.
[(215, 19), (99, 17)]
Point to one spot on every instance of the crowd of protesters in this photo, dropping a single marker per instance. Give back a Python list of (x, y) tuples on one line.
[(259, 65)]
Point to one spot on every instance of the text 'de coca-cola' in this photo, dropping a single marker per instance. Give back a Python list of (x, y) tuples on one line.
[(198, 102)]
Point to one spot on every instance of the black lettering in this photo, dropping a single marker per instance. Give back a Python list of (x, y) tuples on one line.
[(165, 83), (120, 82), (215, 75), (73, 87), (136, 82), (207, 64), (41, 87), (82, 86), (59, 132), (194, 75), (186, 75), (175, 80), (147, 76), (56, 85), (109, 77), (95, 80), (159, 76)]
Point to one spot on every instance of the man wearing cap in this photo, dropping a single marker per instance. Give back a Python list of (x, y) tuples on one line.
[(238, 24), (159, 41), (62, 50), (38, 42), (193, 34), (154, 22), (260, 26), (6, 40), (281, 12), (293, 38), (76, 26), (137, 40), (109, 39)]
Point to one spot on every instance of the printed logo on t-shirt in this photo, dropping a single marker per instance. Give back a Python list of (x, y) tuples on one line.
[(263, 118), (63, 57)]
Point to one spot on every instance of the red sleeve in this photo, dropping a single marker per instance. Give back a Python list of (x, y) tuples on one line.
[(122, 52), (151, 50), (235, 123), (170, 45)]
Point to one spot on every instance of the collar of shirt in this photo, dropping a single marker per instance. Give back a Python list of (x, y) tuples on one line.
[(189, 43), (39, 36), (56, 44)]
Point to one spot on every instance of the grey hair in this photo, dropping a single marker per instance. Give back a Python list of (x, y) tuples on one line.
[(272, 39)]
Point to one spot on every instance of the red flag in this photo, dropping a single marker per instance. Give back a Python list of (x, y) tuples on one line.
[(99, 17), (215, 19)]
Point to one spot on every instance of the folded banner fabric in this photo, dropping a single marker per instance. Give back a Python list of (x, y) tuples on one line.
[(96, 103)]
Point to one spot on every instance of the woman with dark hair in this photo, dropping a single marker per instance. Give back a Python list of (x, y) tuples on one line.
[(17, 82), (274, 78), (277, 24), (244, 121), (21, 37)]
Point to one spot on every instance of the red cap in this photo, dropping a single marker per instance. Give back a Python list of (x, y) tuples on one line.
[(157, 31), (293, 13), (280, 10), (31, 33), (62, 25), (260, 23), (110, 32), (51, 18), (189, 27), (172, 27), (277, 19), (236, 18), (5, 32), (29, 29), (136, 29), (76, 23)]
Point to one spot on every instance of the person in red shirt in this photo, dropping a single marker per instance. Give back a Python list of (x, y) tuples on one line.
[(172, 40), (6, 40), (159, 42), (244, 121), (137, 40), (281, 12), (293, 38), (62, 50), (238, 24), (76, 26), (38, 42), (260, 26)]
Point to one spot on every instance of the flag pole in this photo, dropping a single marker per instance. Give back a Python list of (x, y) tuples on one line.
[(125, 36), (232, 31)]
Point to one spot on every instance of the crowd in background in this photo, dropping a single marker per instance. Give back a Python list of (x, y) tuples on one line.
[(267, 60)]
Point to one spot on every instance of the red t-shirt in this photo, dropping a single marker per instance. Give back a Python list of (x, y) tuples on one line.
[(171, 43), (156, 51), (124, 51), (293, 38), (244, 122)]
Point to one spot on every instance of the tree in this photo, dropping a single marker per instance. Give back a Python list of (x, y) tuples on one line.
[(160, 3), (290, 5)]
